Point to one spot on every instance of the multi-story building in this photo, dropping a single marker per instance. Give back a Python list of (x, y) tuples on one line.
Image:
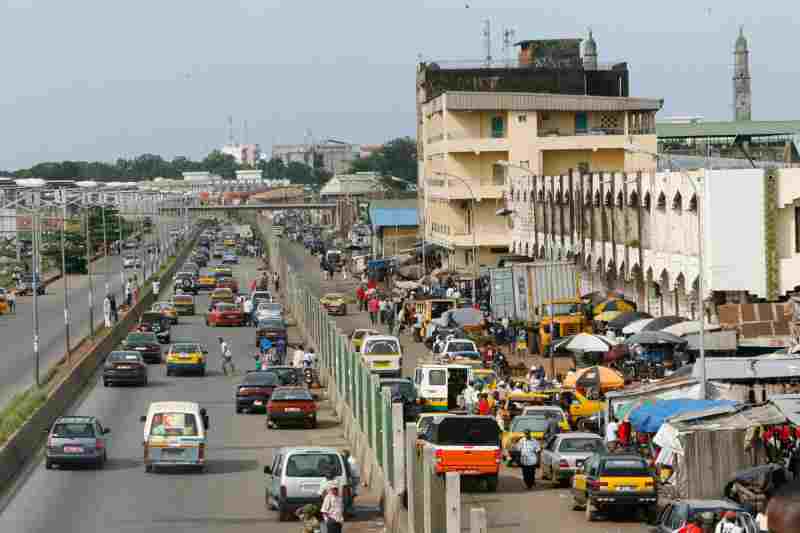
[(244, 154), (334, 156), (552, 112)]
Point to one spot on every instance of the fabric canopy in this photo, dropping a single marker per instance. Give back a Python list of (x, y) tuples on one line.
[(608, 378), (648, 417), (626, 318)]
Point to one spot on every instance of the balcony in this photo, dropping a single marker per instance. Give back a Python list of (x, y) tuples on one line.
[(454, 189), (605, 141), (466, 142)]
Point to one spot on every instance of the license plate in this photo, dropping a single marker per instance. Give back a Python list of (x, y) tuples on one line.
[(625, 489), (258, 402), (381, 364), (124, 367), (292, 410), (140, 348), (171, 451), (73, 449), (309, 487)]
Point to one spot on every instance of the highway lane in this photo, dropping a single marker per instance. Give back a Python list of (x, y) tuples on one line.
[(123, 498), (16, 330), (512, 507)]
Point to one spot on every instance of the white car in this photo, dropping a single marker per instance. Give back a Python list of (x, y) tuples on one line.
[(130, 261), (266, 310)]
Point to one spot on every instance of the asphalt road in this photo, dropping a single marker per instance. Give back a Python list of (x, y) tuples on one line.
[(512, 508), (17, 366), (123, 498)]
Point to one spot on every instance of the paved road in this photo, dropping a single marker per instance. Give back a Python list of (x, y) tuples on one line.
[(512, 508), (16, 330), (123, 498)]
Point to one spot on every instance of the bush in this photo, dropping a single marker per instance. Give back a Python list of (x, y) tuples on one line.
[(19, 410)]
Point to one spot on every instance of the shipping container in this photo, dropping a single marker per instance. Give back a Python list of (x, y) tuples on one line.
[(517, 292), (502, 293)]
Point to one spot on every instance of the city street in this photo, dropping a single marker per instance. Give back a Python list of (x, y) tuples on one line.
[(512, 508), (123, 498)]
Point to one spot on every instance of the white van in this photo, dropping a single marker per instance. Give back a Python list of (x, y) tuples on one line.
[(175, 434), (440, 386), (382, 355)]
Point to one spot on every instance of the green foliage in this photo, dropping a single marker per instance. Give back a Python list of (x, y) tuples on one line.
[(398, 158), (18, 410)]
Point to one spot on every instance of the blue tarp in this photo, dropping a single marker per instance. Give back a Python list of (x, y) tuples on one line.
[(648, 417)]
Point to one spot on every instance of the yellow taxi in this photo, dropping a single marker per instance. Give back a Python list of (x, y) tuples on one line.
[(166, 309), (610, 481), (224, 270), (184, 304), (334, 303), (582, 407), (222, 295), (358, 336), (186, 356), (206, 282)]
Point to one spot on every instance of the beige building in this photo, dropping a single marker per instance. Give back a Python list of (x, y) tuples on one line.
[(465, 137)]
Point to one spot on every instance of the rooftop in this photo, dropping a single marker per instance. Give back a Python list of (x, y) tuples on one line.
[(752, 128), (486, 101), (385, 213), (359, 183)]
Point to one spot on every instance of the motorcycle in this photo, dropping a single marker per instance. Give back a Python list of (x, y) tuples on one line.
[(308, 376), (500, 366)]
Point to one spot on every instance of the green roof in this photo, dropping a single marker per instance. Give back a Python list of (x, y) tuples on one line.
[(753, 128)]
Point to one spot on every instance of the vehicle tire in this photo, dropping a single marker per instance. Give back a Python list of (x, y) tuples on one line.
[(48, 464), (588, 512), (238, 410), (169, 372), (148, 468), (491, 483), (651, 515), (575, 505), (101, 462), (283, 515), (144, 382), (105, 383), (314, 424), (202, 372)]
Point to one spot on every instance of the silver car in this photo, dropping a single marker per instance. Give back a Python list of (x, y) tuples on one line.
[(77, 440), (266, 310), (565, 453)]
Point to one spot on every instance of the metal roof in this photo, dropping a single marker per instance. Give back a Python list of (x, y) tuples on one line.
[(384, 213), (753, 128), (789, 404), (750, 368), (488, 101)]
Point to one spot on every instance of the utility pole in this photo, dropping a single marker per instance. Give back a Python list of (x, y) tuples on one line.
[(35, 282), (89, 267), (64, 276)]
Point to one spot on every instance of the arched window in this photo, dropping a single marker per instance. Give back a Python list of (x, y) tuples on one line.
[(587, 200), (662, 202), (633, 200), (609, 199), (647, 202), (567, 198), (677, 202), (620, 200), (541, 195), (693, 204), (597, 198)]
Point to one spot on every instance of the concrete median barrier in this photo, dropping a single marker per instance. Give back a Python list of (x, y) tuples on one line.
[(23, 444)]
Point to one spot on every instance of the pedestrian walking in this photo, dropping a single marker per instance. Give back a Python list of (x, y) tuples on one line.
[(333, 510), (107, 311), (247, 308), (114, 311), (128, 293), (529, 453), (612, 429), (390, 319), (277, 280), (11, 298), (374, 306), (361, 296)]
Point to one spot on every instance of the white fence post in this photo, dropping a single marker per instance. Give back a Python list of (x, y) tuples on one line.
[(453, 484), (426, 490), (411, 482), (477, 520), (398, 449)]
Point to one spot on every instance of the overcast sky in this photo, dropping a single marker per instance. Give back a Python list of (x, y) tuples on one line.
[(101, 79)]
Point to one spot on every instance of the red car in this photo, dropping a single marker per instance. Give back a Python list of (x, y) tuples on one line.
[(228, 283), (224, 314), (291, 405)]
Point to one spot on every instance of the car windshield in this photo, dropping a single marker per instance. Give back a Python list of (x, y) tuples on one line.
[(124, 357), (292, 395), (404, 389), (561, 309), (625, 467), (173, 425), (459, 430), (288, 376), (226, 307), (382, 347), (265, 306), (141, 337), (74, 430), (534, 424), (271, 324), (313, 465), (459, 346), (182, 299), (185, 348), (333, 296), (261, 379), (577, 445)]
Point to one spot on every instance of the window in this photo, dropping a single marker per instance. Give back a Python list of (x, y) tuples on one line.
[(173, 425), (437, 378), (498, 175), (662, 202), (313, 465), (797, 229), (498, 128), (522, 119)]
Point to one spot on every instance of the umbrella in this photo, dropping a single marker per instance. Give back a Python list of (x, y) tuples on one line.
[(597, 297), (626, 318), (465, 316), (636, 326), (614, 304), (663, 322), (607, 316), (654, 337), (584, 342), (689, 327), (606, 378)]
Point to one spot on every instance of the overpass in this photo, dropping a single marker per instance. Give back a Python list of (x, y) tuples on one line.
[(200, 210)]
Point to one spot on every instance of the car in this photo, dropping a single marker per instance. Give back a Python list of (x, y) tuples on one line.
[(26, 282), (221, 270), (260, 296), (146, 343), (186, 357), (206, 282), (221, 295), (255, 389), (291, 405), (129, 261), (225, 314), (76, 440), (184, 283), (271, 328), (382, 355), (357, 338), (230, 259), (548, 411), (565, 453), (296, 474), (218, 252), (175, 434), (226, 282), (675, 514), (614, 481), (184, 303), (403, 391), (124, 367), (334, 303), (167, 309), (460, 349), (287, 375), (266, 311), (157, 323), (536, 424)]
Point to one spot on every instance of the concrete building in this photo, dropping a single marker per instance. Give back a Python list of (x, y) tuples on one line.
[(394, 226), (249, 175), (638, 233), (334, 156), (348, 191), (467, 136), (244, 154), (742, 95)]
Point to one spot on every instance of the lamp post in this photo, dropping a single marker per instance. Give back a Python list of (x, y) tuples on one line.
[(87, 203), (64, 276), (633, 149), (473, 225)]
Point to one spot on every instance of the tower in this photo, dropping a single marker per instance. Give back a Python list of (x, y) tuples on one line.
[(742, 96), (590, 53)]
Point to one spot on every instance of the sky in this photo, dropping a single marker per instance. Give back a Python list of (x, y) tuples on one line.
[(102, 79)]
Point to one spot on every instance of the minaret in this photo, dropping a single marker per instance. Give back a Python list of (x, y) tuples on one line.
[(742, 96), (590, 53)]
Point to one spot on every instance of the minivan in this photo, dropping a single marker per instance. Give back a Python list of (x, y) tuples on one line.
[(175, 434), (440, 386)]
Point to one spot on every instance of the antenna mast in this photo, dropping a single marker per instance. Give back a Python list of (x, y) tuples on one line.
[(230, 129), (508, 40), (487, 40)]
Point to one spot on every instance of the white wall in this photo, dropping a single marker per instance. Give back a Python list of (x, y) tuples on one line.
[(733, 219)]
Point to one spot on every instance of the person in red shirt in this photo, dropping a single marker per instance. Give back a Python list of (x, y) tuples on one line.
[(373, 306), (361, 296), (483, 405), (624, 433), (693, 525)]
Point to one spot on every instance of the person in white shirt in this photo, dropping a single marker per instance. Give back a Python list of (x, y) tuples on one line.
[(728, 524), (761, 522), (611, 434), (332, 510), (309, 358), (529, 451), (247, 307), (297, 358)]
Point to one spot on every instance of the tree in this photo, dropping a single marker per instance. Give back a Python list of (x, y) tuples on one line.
[(398, 158), (222, 164), (274, 169)]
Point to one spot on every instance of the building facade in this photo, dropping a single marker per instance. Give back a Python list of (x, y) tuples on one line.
[(335, 157), (244, 154), (472, 141)]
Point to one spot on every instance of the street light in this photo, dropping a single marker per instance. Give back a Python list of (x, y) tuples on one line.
[(474, 218), (87, 205), (633, 149), (34, 183)]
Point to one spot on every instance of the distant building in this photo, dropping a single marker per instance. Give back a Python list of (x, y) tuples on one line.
[(348, 190), (249, 175), (334, 156), (202, 176), (394, 226), (244, 154), (742, 95)]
